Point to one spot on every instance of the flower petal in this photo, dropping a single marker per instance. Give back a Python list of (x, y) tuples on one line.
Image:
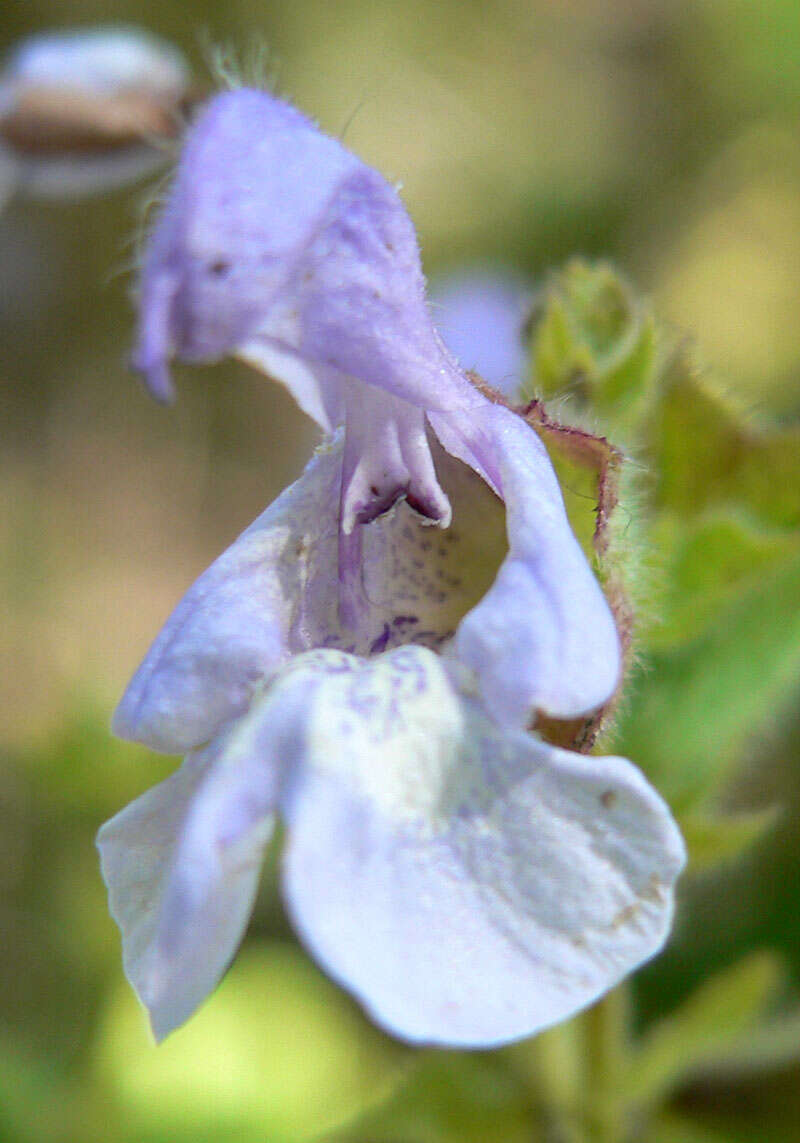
[(100, 61), (387, 458), (470, 886), (182, 866), (355, 300), (317, 390), (279, 590), (241, 620), (278, 244), (543, 637)]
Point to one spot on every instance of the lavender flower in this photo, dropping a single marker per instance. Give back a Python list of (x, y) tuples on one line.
[(367, 658)]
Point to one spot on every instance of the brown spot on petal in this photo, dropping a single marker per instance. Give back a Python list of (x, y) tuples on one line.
[(625, 915), (653, 892)]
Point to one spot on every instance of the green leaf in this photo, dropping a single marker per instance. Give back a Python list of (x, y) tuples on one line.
[(711, 561), (704, 451), (278, 1052), (715, 1016), (555, 358), (769, 1046), (594, 343), (589, 469), (601, 308), (597, 347), (592, 477), (671, 1128), (450, 1098), (714, 839), (696, 705), (35, 1100), (739, 1122), (628, 381)]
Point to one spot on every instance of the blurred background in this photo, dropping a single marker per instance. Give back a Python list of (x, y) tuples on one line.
[(664, 136)]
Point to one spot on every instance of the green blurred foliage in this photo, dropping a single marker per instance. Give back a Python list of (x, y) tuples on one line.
[(714, 495), (659, 136), (719, 510), (282, 1052)]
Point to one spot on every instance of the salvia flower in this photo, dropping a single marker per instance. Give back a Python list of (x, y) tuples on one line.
[(367, 659), (80, 111)]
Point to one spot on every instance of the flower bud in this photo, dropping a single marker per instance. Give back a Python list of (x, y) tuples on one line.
[(84, 111)]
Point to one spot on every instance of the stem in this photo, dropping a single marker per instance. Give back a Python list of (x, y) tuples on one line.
[(554, 1073), (575, 1074), (605, 1029)]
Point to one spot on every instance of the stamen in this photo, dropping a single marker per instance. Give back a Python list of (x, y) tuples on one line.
[(386, 459)]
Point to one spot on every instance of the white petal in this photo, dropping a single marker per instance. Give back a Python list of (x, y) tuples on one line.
[(98, 60), (240, 621), (317, 390), (470, 886), (277, 592), (182, 866), (543, 637)]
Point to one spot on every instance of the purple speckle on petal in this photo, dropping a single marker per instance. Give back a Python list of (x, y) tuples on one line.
[(378, 645)]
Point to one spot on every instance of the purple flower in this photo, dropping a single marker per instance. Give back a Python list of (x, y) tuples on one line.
[(367, 658)]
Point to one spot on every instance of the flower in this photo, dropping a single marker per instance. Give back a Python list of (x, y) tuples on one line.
[(80, 110), (482, 312), (366, 660)]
